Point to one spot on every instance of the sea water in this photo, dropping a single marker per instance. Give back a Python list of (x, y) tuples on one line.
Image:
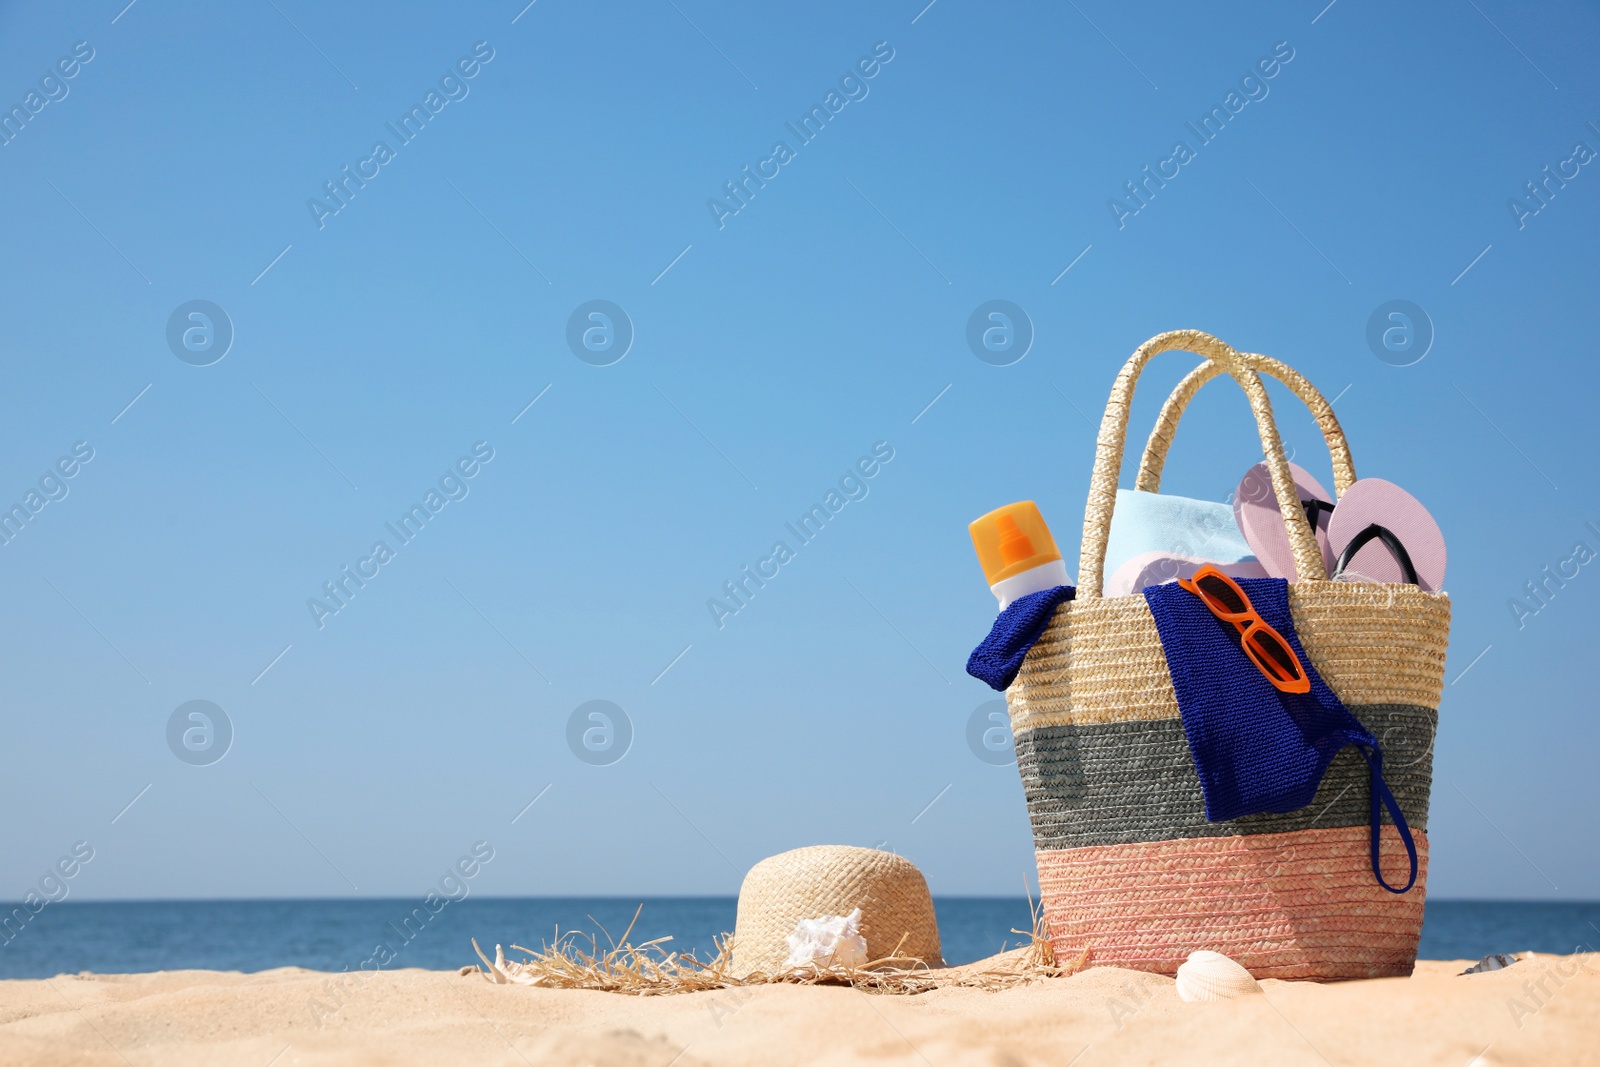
[(331, 935)]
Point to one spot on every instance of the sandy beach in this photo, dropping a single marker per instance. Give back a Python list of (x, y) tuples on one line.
[(1543, 1010)]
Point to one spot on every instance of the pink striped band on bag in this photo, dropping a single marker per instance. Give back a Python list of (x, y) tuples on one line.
[(1302, 904)]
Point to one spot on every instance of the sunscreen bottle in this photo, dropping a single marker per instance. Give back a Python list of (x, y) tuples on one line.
[(1017, 553)]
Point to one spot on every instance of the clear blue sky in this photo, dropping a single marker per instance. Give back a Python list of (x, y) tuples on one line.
[(373, 351)]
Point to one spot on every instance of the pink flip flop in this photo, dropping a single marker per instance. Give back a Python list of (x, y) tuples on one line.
[(1380, 533), (1255, 509), (1155, 568)]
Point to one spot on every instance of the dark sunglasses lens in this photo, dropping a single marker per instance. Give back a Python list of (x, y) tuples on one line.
[(1277, 653), (1221, 593)]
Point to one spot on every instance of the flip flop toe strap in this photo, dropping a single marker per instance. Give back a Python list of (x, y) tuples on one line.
[(1390, 541)]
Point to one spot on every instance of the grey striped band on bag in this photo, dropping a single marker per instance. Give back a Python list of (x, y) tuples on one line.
[(1135, 781)]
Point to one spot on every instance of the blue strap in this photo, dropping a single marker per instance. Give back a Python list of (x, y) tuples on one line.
[(1380, 793)]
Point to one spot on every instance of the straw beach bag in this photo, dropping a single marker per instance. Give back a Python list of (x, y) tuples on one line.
[(1129, 868)]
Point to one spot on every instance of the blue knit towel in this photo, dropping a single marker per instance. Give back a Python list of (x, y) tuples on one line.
[(1015, 630), (1256, 748)]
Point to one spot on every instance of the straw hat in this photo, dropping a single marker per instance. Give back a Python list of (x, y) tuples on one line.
[(809, 883)]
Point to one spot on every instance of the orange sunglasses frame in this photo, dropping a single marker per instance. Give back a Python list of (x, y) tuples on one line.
[(1249, 621)]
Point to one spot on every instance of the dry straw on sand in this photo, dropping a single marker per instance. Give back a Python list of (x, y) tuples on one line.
[(650, 970)]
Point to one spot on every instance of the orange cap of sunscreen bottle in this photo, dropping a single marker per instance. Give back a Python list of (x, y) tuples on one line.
[(1017, 552)]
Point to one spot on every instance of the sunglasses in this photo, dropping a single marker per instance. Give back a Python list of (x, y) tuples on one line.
[(1265, 646)]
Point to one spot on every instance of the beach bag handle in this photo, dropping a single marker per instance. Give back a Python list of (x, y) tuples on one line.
[(1112, 438), (1155, 450)]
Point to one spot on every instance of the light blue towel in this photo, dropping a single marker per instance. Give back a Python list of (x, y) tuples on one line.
[(1176, 525)]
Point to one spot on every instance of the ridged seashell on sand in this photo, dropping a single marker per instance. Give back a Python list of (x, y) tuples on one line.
[(1208, 976)]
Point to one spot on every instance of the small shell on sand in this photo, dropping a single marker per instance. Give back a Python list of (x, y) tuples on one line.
[(500, 973), (1206, 976), (1497, 961)]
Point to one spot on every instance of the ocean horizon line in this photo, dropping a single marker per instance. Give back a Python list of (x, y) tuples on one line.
[(1433, 898)]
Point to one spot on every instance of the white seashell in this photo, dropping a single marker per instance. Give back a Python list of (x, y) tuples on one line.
[(829, 941), (1208, 976), (502, 972)]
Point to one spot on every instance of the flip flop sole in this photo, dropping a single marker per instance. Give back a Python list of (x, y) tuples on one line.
[(1376, 501), (1255, 509), (1155, 568)]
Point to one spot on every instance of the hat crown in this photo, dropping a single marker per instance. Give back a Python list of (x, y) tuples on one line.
[(823, 880)]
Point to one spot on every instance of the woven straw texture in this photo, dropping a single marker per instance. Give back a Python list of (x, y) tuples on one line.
[(1295, 905), (1125, 782), (1155, 450), (809, 883), (1128, 866), (1101, 661), (1113, 436)]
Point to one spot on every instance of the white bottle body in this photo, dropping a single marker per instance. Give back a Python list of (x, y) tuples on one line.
[(1033, 580)]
